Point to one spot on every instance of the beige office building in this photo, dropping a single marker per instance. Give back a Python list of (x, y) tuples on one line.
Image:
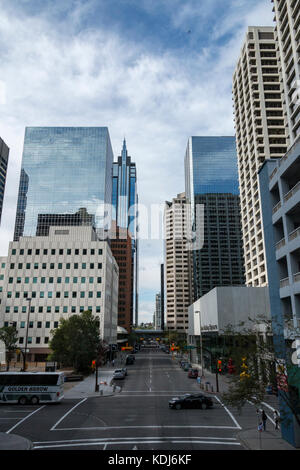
[(287, 33), (178, 272), (261, 133)]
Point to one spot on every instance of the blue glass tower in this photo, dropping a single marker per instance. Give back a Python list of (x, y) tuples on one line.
[(211, 180), (64, 169), (124, 201)]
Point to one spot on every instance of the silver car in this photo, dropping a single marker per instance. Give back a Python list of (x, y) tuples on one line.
[(119, 374)]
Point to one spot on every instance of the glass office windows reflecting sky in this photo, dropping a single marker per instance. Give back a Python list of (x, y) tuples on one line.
[(66, 169), (211, 166)]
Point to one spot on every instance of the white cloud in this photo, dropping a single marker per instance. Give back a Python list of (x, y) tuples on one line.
[(53, 77)]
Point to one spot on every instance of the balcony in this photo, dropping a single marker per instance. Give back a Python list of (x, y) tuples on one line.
[(297, 277), (293, 191), (280, 244), (276, 208), (284, 282), (295, 234)]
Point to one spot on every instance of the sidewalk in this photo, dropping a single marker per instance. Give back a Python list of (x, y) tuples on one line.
[(250, 438), (86, 387)]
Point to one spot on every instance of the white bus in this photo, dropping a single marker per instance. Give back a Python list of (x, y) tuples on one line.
[(31, 387)]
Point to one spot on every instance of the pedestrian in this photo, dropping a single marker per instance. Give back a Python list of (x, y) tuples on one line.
[(276, 419), (264, 418), (113, 362)]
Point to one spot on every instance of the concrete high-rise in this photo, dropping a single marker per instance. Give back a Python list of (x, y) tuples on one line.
[(4, 154), (177, 263), (47, 278), (261, 133), (287, 33)]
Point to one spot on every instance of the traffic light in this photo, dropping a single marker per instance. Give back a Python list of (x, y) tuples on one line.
[(219, 365)]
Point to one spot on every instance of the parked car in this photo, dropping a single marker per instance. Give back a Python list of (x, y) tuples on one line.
[(186, 366), (191, 401), (119, 374), (193, 373)]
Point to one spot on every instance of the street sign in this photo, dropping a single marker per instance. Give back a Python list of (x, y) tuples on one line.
[(190, 347)]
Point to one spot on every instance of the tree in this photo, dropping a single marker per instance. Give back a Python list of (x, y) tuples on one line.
[(258, 367), (9, 336), (76, 342), (176, 337)]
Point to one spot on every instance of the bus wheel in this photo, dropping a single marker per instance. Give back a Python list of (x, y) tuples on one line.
[(34, 401), (22, 400)]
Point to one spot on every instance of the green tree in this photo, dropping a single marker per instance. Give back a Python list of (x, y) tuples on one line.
[(257, 367), (76, 342), (9, 336), (176, 337)]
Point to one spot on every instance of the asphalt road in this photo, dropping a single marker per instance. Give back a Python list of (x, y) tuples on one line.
[(137, 418)]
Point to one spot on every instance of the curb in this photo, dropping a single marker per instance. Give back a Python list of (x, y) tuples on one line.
[(14, 442)]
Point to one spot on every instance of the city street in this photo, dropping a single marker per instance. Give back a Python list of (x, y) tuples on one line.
[(136, 418)]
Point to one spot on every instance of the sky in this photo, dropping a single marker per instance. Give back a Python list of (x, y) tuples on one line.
[(153, 71)]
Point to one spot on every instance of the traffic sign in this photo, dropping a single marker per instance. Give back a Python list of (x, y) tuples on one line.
[(190, 347)]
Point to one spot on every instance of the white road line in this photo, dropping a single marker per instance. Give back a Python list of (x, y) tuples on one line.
[(105, 439), (106, 428), (126, 441), (64, 416), (24, 419), (230, 414)]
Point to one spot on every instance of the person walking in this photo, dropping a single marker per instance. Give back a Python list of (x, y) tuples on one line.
[(276, 419), (264, 419)]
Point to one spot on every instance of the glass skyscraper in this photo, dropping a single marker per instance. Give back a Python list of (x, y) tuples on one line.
[(4, 153), (211, 180), (210, 166), (124, 201), (64, 170)]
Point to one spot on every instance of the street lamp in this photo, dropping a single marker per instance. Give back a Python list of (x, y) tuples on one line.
[(26, 339), (201, 344)]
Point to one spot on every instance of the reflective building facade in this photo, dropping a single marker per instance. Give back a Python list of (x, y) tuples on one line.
[(4, 153), (211, 181), (64, 169), (124, 201)]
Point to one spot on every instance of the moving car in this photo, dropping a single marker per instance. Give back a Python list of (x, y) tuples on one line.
[(124, 370), (130, 360), (186, 366), (193, 373), (191, 401), (119, 374)]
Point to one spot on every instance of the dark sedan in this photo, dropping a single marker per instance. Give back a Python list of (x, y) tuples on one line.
[(191, 401)]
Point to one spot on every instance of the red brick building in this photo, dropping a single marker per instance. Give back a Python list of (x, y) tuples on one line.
[(121, 246)]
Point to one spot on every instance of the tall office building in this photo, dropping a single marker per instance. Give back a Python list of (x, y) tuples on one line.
[(121, 247), (287, 33), (162, 296), (157, 313), (63, 170), (261, 133), (4, 153), (211, 182), (47, 278), (177, 262), (124, 201), (280, 200)]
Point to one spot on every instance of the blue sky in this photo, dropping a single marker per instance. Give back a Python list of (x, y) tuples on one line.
[(156, 72)]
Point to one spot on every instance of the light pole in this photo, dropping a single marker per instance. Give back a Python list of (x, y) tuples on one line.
[(26, 338), (201, 344)]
